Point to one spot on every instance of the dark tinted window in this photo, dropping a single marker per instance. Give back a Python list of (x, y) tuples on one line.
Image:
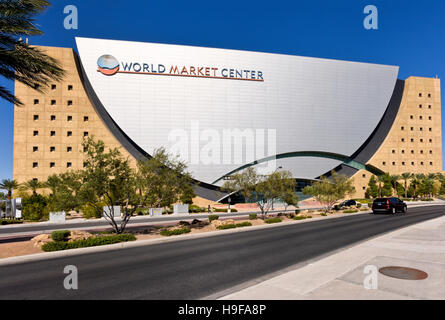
[(380, 200)]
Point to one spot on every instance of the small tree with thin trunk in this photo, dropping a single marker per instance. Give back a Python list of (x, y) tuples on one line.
[(328, 191), (108, 179)]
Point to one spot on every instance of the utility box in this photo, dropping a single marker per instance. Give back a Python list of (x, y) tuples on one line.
[(57, 217), (155, 212), (181, 209), (116, 209)]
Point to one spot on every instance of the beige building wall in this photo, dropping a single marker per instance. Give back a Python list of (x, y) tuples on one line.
[(50, 127), (414, 143)]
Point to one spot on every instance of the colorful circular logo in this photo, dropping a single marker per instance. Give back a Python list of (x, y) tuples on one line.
[(108, 65)]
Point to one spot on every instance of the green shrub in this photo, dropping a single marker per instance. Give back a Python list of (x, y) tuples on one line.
[(273, 220), (351, 211), (253, 216), (225, 210), (91, 242), (243, 224), (90, 212), (233, 226), (196, 209), (35, 208), (324, 214), (213, 217), (227, 226), (61, 235), (4, 222), (174, 232), (299, 218)]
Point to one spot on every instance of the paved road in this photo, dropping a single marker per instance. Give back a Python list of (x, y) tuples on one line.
[(201, 267), (38, 228)]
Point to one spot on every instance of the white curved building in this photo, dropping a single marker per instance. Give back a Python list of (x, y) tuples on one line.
[(224, 110)]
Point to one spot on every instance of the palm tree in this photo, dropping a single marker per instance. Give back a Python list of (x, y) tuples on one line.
[(18, 60), (32, 185), (381, 180), (9, 185), (52, 183), (405, 177), (394, 180)]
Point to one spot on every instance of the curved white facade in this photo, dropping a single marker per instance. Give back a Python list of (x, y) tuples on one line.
[(309, 104)]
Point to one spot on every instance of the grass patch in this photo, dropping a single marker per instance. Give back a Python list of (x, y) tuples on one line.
[(92, 242), (300, 218), (175, 232), (273, 220), (324, 214), (4, 222)]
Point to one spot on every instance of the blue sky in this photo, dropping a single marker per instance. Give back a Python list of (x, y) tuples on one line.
[(410, 35)]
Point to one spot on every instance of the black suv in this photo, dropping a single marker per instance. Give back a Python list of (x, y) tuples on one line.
[(348, 203), (389, 205)]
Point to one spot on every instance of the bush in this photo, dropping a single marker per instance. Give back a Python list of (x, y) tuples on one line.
[(225, 210), (324, 214), (174, 232), (61, 235), (213, 217), (196, 209), (253, 216), (300, 218), (233, 226), (273, 220), (90, 212), (35, 208), (351, 211), (227, 226), (4, 222), (91, 242), (243, 224)]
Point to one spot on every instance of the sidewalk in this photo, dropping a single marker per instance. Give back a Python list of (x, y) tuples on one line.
[(341, 275)]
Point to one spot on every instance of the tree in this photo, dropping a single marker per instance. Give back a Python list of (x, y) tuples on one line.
[(164, 180), (65, 189), (328, 191), (18, 60), (9, 185), (278, 185), (406, 177), (263, 190), (373, 189), (32, 185), (53, 182), (244, 183), (394, 182), (108, 178)]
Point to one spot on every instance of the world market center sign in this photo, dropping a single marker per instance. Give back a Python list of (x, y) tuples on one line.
[(109, 66)]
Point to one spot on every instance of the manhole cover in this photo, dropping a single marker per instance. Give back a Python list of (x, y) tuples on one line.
[(403, 273)]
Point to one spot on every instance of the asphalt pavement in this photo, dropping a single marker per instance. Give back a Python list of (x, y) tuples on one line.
[(198, 268)]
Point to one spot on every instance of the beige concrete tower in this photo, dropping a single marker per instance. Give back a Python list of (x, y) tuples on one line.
[(414, 143)]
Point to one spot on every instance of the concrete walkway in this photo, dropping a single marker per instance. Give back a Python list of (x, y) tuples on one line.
[(341, 276)]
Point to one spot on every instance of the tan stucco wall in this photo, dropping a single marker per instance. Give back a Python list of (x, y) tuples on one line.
[(25, 125), (424, 153)]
